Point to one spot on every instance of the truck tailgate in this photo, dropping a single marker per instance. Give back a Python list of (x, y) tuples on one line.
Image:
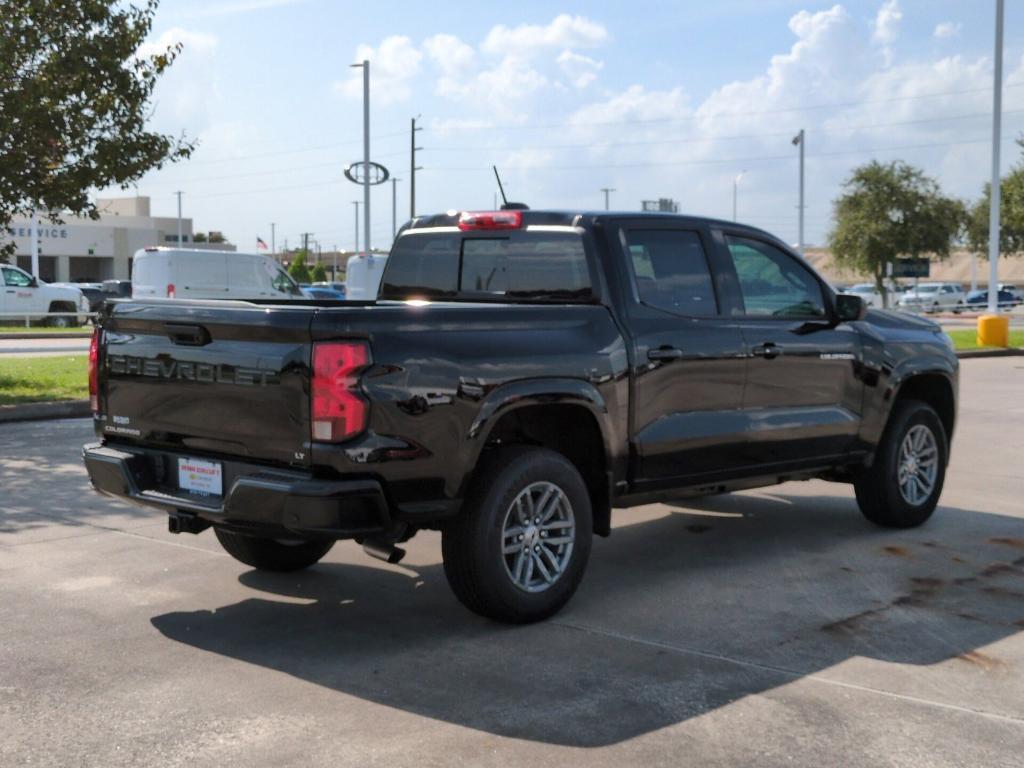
[(222, 377)]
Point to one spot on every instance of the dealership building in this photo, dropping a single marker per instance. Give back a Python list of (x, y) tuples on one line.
[(83, 250)]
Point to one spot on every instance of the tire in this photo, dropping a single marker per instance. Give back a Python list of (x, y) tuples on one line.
[(958, 308), (489, 580), (273, 554), (64, 321), (880, 496)]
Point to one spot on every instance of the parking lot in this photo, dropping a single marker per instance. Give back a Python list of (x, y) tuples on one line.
[(773, 627)]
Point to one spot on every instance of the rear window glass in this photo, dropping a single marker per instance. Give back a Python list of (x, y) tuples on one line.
[(546, 266)]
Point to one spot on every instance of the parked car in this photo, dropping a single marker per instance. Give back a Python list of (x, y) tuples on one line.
[(867, 291), (933, 297), (979, 300), (26, 296), (316, 292), (1012, 289), (519, 375), (334, 286), (184, 273), (93, 292), (118, 289)]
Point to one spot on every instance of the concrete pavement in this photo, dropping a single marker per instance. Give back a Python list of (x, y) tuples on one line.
[(15, 347), (773, 627)]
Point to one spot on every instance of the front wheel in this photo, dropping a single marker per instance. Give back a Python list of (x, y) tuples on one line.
[(273, 554), (902, 487), (518, 550)]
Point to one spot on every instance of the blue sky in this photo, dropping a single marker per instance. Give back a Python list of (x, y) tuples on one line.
[(654, 99)]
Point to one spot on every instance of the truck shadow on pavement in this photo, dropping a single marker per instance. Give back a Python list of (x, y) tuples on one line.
[(678, 615)]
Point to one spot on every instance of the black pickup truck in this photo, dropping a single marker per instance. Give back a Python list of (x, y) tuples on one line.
[(520, 374)]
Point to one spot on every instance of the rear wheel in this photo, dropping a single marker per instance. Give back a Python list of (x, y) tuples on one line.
[(902, 488), (273, 554), (62, 321), (518, 551)]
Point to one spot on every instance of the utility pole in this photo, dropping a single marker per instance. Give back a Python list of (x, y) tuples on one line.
[(179, 194), (334, 272), (994, 200), (799, 140), (356, 204), (413, 149), (273, 241), (365, 64), (394, 208), (305, 243), (606, 190), (735, 192)]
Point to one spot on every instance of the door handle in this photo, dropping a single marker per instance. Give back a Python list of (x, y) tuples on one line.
[(768, 350), (664, 354), (187, 335)]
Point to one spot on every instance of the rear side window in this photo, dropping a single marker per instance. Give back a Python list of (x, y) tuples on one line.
[(671, 271), (543, 266)]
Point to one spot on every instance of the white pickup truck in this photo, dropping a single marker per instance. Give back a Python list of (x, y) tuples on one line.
[(22, 295)]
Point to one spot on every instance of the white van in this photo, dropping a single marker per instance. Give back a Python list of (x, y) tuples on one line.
[(185, 273), (362, 277)]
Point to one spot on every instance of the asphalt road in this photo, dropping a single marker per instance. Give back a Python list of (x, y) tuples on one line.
[(767, 628)]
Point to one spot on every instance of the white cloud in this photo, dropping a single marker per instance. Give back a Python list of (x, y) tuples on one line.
[(190, 40), (394, 64), (947, 29), (581, 70), (186, 93), (564, 31), (887, 22)]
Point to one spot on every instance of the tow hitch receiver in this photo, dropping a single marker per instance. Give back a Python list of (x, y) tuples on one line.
[(182, 523)]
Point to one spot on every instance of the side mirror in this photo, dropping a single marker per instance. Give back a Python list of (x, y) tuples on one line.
[(34, 282), (850, 307)]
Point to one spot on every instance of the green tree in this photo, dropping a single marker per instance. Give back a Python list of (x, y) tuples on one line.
[(74, 98), (889, 210), (199, 237), (298, 269), (1011, 214), (319, 274)]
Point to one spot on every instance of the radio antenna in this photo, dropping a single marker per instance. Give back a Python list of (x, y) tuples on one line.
[(501, 189)]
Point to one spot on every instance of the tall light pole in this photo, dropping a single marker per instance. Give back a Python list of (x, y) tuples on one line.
[(179, 194), (273, 240), (413, 149), (356, 204), (606, 191), (366, 154), (735, 192), (799, 140), (394, 208), (34, 235), (993, 209)]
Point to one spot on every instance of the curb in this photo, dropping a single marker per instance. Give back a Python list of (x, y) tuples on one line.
[(69, 409), (969, 353), (42, 335)]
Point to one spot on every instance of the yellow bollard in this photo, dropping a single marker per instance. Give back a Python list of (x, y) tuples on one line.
[(993, 331)]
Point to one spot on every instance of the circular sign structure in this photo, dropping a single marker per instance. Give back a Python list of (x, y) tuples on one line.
[(356, 173)]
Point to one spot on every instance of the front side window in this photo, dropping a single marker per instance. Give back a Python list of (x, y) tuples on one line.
[(773, 283), (16, 278), (283, 282), (671, 271)]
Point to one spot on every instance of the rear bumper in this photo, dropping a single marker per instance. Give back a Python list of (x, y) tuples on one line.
[(257, 498)]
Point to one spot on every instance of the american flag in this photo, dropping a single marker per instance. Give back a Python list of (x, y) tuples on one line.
[(260, 244)]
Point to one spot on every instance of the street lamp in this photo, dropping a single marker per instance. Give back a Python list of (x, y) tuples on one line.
[(356, 204), (606, 190), (798, 140), (735, 191)]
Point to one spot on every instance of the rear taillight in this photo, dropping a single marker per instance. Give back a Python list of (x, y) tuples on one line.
[(469, 220), (94, 371), (337, 410), (170, 290)]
